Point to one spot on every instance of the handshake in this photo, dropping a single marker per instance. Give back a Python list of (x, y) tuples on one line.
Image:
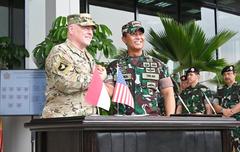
[(102, 71)]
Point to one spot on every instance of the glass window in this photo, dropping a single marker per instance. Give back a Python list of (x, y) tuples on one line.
[(230, 50), (148, 10), (13, 23), (4, 18), (232, 6), (206, 22), (115, 20), (125, 5), (190, 10), (18, 22), (148, 22), (12, 20)]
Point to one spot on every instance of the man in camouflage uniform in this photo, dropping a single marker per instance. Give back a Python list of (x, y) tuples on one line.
[(182, 86), (227, 100), (195, 96), (146, 76), (183, 83), (69, 69)]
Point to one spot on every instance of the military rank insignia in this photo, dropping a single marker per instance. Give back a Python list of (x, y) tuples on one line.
[(62, 67)]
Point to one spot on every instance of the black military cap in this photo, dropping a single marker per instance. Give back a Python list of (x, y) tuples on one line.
[(192, 69), (183, 78), (228, 68)]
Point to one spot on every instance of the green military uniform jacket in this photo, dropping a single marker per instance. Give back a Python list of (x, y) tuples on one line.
[(145, 76), (228, 97), (195, 99)]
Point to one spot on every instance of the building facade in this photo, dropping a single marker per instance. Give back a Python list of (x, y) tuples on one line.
[(27, 22)]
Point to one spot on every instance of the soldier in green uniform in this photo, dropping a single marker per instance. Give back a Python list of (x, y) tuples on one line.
[(146, 76), (227, 100), (183, 83), (69, 69), (195, 96)]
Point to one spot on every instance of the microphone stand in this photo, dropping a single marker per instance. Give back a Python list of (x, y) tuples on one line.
[(209, 103), (185, 106)]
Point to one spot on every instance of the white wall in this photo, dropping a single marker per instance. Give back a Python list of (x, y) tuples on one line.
[(16, 138), (114, 24)]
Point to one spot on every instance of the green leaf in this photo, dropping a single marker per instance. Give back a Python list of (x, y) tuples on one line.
[(187, 44), (58, 34), (64, 34)]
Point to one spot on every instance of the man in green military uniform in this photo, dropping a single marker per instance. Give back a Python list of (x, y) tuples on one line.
[(227, 100), (196, 96), (147, 77), (69, 69), (183, 83)]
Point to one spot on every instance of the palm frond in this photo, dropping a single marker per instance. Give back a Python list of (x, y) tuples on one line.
[(120, 53), (187, 44), (156, 54)]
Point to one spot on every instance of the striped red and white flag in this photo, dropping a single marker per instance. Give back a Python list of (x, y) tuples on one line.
[(121, 93), (97, 94)]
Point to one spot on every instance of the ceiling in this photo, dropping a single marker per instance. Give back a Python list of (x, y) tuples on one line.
[(188, 9), (13, 3)]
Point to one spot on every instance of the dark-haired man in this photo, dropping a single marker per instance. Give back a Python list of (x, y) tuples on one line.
[(183, 82), (195, 96), (227, 100), (146, 76)]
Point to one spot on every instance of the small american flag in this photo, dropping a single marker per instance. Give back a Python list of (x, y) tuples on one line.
[(121, 93)]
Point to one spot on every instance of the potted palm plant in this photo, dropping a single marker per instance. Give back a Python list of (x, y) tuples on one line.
[(58, 34), (188, 45), (11, 55)]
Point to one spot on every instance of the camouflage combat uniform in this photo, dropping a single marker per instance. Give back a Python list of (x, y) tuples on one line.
[(145, 76), (228, 97), (69, 72), (194, 98)]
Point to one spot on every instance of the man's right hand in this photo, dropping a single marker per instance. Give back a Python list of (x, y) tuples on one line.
[(227, 112), (102, 71)]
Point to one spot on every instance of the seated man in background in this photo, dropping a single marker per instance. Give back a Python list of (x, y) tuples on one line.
[(227, 100), (195, 96), (69, 68)]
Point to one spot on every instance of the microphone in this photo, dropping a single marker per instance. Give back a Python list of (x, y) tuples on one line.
[(185, 106), (209, 103)]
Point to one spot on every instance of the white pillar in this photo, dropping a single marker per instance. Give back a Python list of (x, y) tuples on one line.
[(66, 7), (39, 15), (34, 27)]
